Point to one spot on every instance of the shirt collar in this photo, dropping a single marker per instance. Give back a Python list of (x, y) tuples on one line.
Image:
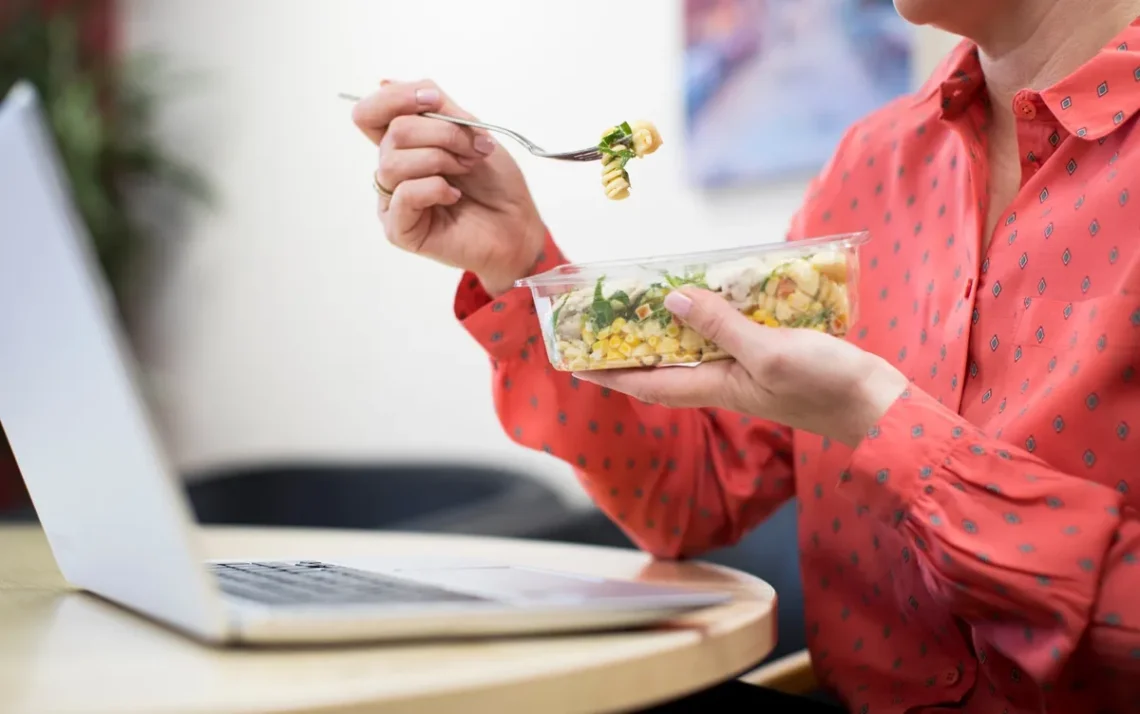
[(1090, 103)]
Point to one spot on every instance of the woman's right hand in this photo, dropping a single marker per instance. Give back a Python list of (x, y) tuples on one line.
[(457, 196)]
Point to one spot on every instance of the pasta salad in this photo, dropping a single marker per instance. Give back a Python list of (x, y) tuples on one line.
[(624, 323)]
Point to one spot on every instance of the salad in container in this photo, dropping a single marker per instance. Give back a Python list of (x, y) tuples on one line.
[(611, 315)]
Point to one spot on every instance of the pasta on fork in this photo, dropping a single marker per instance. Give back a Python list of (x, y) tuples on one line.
[(619, 145)]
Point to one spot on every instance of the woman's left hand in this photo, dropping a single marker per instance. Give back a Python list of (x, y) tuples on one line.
[(797, 377)]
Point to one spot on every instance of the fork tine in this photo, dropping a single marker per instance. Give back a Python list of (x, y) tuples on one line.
[(580, 155)]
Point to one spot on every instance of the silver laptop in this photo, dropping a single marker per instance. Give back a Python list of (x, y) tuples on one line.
[(113, 509)]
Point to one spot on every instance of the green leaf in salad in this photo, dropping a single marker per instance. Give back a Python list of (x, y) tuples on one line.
[(601, 311), (676, 281), (823, 317), (612, 145)]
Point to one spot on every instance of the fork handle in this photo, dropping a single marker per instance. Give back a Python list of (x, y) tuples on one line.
[(530, 145)]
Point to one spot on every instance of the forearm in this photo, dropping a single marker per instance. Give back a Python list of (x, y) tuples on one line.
[(679, 482)]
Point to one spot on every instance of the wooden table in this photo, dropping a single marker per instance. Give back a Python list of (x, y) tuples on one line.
[(64, 651)]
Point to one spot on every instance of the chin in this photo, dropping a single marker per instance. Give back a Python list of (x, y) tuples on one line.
[(926, 12), (960, 17)]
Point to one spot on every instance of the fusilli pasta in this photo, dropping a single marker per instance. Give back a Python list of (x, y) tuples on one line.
[(620, 144)]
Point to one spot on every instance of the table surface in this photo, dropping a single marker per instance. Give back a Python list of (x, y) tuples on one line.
[(65, 651)]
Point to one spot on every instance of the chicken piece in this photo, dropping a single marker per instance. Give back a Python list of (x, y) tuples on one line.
[(832, 263), (804, 276)]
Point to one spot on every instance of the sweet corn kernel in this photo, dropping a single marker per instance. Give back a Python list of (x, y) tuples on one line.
[(618, 324), (761, 315), (632, 340), (604, 333), (615, 342), (599, 345), (589, 337), (653, 340), (771, 322), (626, 350), (614, 355), (672, 330)]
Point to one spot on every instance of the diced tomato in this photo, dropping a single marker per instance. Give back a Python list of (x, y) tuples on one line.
[(786, 287)]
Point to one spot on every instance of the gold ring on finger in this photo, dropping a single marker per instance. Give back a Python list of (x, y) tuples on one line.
[(380, 189)]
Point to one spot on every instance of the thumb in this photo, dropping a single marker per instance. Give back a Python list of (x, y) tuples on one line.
[(713, 318)]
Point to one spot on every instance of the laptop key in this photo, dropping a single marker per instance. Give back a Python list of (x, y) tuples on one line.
[(314, 583)]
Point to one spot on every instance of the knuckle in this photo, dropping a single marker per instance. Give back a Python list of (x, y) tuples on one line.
[(435, 162), (359, 116), (382, 213), (713, 325), (776, 365), (400, 132), (388, 169), (457, 138)]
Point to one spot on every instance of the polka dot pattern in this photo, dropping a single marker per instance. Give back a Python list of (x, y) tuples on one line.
[(980, 550)]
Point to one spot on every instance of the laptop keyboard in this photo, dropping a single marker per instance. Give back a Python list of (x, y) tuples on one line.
[(315, 583)]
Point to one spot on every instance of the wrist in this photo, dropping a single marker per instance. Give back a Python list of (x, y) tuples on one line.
[(498, 282), (872, 396), (497, 286)]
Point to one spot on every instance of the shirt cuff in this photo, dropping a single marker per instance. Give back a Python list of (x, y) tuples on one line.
[(506, 327), (909, 446)]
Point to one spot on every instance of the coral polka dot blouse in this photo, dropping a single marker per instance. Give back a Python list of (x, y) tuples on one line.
[(979, 550)]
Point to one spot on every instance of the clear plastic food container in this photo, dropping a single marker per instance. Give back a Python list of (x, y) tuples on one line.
[(611, 315)]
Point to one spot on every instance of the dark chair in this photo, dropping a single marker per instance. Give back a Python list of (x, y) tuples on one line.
[(436, 498)]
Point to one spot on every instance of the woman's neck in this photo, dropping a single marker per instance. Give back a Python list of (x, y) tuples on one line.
[(1036, 43)]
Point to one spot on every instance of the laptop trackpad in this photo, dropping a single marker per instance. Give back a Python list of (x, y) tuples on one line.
[(513, 582)]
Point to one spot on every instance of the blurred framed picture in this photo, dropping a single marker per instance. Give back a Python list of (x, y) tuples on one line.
[(771, 85)]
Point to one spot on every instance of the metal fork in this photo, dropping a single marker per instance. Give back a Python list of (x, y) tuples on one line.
[(590, 153)]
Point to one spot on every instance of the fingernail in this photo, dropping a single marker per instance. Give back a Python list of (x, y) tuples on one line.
[(385, 82), (427, 96), (678, 303), (484, 144), (456, 193)]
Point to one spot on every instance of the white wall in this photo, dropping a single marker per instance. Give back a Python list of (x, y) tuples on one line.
[(288, 327)]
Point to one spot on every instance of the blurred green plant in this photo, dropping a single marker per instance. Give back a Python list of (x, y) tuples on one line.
[(102, 111)]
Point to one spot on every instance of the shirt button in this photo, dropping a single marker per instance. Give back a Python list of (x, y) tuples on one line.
[(950, 677), (1024, 106)]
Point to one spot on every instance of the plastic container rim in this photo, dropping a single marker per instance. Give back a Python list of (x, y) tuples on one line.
[(571, 273)]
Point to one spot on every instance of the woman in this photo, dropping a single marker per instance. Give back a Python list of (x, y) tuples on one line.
[(965, 461)]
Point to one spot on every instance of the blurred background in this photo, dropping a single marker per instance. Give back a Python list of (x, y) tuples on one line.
[(304, 372), (771, 85)]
